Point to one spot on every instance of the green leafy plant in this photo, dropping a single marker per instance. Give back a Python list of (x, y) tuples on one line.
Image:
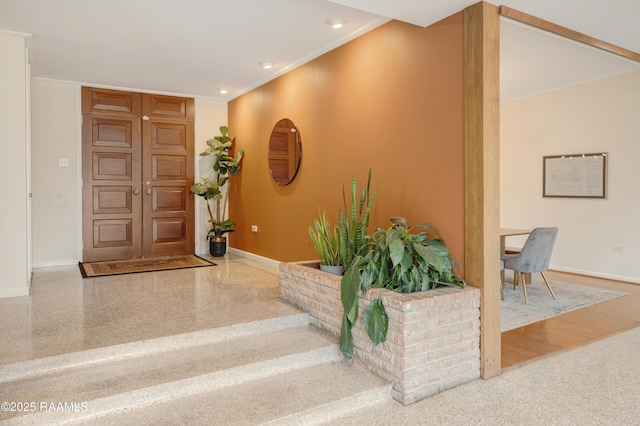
[(212, 187), (353, 221), (396, 259), (324, 239)]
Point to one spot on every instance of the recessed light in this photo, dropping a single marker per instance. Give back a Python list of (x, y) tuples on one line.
[(335, 23), (223, 91), (266, 65)]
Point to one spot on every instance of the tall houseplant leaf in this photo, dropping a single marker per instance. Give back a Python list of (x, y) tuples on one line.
[(349, 288), (376, 321), (346, 339)]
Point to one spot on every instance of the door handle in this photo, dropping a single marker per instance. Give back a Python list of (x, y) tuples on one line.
[(136, 191), (148, 191)]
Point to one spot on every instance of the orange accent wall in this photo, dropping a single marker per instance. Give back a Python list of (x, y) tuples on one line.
[(391, 100)]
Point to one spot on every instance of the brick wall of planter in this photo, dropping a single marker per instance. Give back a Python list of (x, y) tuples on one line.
[(433, 342)]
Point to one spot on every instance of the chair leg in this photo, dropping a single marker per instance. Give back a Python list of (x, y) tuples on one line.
[(515, 279), (502, 284), (548, 286), (524, 288)]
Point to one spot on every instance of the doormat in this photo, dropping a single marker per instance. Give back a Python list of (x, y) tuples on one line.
[(116, 267)]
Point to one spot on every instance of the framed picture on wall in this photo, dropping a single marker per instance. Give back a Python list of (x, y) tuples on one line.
[(575, 175)]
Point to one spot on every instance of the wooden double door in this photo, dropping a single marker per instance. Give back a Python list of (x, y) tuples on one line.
[(137, 170)]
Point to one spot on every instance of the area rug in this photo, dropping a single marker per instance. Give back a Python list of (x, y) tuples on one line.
[(116, 267), (514, 313)]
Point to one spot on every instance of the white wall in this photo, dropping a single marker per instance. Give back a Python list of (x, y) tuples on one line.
[(55, 117), (56, 133), (14, 233), (599, 237), (210, 115)]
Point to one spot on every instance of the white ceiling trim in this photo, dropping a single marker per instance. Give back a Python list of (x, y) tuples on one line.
[(15, 34)]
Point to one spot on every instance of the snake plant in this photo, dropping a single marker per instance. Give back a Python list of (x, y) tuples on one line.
[(324, 239), (353, 221)]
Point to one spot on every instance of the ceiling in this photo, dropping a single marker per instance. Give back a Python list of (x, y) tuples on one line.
[(197, 47)]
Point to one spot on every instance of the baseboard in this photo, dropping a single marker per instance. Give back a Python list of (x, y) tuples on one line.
[(40, 265), (622, 278), (14, 292), (261, 259)]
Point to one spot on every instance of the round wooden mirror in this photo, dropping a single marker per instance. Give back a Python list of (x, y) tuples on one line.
[(285, 152)]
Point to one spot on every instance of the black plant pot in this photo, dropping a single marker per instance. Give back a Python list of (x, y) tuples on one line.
[(218, 246)]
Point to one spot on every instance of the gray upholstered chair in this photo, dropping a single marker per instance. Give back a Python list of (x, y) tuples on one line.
[(534, 257)]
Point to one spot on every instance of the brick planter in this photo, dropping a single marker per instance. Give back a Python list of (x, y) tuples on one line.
[(433, 342)]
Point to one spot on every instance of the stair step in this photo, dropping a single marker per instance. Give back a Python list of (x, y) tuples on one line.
[(26, 369), (338, 409), (312, 395), (280, 370), (247, 357)]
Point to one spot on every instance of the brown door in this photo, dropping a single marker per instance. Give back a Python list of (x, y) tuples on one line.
[(167, 173), (137, 171)]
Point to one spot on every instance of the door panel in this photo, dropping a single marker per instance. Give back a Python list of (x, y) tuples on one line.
[(112, 165), (169, 167), (137, 172), (168, 175), (112, 210), (112, 233), (110, 101), (112, 132), (167, 106), (112, 199), (169, 199), (168, 230)]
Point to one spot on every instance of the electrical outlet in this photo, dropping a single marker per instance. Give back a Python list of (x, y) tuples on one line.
[(254, 228), (63, 162)]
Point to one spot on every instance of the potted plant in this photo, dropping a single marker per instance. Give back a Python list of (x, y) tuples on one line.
[(324, 239), (213, 188), (337, 246), (399, 260)]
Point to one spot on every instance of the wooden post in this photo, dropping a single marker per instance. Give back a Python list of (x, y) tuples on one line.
[(482, 173)]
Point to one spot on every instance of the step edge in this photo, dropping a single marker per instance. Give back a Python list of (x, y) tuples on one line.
[(102, 407), (335, 409), (57, 363)]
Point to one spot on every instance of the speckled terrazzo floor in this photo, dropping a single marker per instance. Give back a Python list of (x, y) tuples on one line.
[(66, 313), (597, 384)]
